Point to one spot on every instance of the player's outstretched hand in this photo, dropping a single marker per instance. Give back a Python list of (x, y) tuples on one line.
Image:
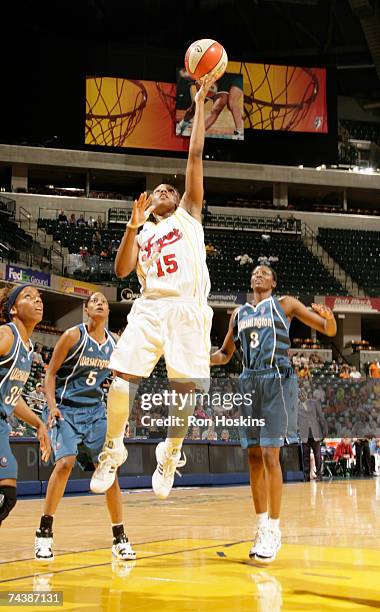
[(141, 210), (44, 440), (324, 311), (206, 84)]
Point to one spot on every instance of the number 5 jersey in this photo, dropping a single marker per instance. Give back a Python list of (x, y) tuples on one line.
[(80, 378)]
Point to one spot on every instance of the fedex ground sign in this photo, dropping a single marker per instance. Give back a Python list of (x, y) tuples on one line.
[(14, 274)]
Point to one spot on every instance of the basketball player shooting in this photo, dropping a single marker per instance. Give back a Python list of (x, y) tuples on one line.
[(171, 318)]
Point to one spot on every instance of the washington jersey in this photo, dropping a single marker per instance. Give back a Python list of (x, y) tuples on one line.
[(14, 372), (172, 258), (79, 379), (261, 334)]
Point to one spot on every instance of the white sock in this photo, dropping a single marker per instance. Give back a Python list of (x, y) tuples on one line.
[(274, 524), (262, 519), (120, 398)]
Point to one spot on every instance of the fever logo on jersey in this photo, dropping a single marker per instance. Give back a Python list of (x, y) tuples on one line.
[(155, 246)]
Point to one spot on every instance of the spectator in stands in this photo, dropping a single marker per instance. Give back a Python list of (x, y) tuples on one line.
[(100, 223), (291, 221), (374, 369), (72, 220), (278, 222), (211, 249), (334, 367), (91, 222), (210, 433), (104, 253), (37, 356), (81, 221), (344, 454), (37, 398), (244, 259), (304, 372), (195, 433), (355, 373), (344, 372), (225, 435), (62, 217), (361, 427)]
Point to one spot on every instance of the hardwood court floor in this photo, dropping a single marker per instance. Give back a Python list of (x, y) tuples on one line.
[(192, 552)]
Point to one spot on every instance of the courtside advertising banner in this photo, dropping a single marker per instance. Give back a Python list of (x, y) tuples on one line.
[(15, 274)]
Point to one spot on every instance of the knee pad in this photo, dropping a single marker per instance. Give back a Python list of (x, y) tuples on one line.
[(8, 499)]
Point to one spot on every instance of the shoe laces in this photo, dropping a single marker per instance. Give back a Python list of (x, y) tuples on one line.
[(171, 464), (260, 535), (106, 465), (43, 543)]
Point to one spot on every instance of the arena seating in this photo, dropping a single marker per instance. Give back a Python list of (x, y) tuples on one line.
[(357, 252), (299, 271), (13, 236)]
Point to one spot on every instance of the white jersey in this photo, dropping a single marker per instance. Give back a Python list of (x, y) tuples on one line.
[(172, 258)]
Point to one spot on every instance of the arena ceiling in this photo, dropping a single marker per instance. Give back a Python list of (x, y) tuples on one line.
[(341, 33)]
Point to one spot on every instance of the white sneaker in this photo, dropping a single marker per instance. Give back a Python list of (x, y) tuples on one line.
[(167, 464), (268, 546), (43, 548), (257, 540), (122, 549), (105, 474)]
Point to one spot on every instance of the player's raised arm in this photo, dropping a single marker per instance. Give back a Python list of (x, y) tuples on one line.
[(61, 350), (193, 197), (224, 354), (321, 318), (128, 251)]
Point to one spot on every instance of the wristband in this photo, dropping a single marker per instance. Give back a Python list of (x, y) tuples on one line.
[(133, 225)]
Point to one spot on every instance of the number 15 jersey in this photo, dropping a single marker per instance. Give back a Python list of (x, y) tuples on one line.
[(79, 379), (172, 258)]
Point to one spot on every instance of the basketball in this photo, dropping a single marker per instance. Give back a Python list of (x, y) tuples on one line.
[(206, 56)]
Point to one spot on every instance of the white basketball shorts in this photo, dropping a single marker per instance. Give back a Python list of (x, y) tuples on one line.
[(177, 329)]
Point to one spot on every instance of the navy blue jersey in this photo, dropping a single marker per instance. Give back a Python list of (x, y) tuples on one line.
[(79, 379), (14, 372), (261, 334)]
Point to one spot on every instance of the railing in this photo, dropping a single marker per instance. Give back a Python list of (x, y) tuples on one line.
[(52, 213), (8, 205), (24, 214), (249, 223), (54, 251)]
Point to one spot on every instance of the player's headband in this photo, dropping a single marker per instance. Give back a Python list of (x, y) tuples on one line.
[(12, 297)]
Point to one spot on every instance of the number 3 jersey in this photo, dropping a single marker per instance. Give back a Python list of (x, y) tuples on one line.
[(14, 372), (79, 379), (261, 333), (172, 258)]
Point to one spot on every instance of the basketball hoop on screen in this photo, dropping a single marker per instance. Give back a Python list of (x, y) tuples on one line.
[(114, 108), (282, 101)]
